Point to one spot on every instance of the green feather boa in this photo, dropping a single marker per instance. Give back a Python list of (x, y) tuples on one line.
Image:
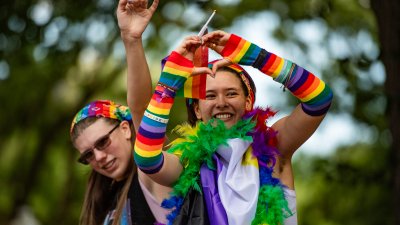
[(198, 145)]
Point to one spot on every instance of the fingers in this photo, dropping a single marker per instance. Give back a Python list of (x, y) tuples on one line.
[(153, 6), (188, 47), (202, 70), (219, 64), (216, 40), (211, 45), (135, 5), (121, 4), (214, 36), (190, 42)]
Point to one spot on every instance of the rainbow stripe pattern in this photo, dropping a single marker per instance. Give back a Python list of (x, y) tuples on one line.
[(194, 87), (151, 134), (103, 108), (315, 95)]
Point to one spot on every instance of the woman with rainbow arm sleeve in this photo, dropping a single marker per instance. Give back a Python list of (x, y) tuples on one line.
[(241, 167)]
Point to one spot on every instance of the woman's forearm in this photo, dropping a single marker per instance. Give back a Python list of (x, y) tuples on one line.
[(139, 86), (151, 134), (314, 94)]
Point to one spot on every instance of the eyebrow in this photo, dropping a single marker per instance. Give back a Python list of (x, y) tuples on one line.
[(227, 89)]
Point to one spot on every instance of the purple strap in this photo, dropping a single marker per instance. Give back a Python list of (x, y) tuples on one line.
[(209, 178)]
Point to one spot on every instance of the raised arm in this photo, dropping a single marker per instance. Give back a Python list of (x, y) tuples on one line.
[(133, 18), (314, 94), (162, 167)]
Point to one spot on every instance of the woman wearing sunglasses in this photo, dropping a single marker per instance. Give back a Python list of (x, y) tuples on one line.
[(103, 133)]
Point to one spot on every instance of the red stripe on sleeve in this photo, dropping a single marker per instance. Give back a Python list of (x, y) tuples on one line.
[(269, 63), (306, 85), (149, 141), (180, 60), (231, 45)]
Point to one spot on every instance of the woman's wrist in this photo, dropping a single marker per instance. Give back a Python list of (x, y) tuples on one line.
[(240, 51), (130, 39)]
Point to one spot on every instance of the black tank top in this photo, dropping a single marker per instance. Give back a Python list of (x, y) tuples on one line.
[(140, 210)]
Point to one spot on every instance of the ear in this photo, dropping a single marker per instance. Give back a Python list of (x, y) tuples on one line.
[(126, 129), (197, 111), (249, 104)]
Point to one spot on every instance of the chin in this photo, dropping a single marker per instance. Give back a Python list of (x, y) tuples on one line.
[(116, 176), (229, 124)]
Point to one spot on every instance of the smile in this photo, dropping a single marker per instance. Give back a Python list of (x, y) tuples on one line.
[(108, 165), (223, 116)]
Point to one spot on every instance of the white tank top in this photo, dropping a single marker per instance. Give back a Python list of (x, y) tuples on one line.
[(290, 196), (159, 213)]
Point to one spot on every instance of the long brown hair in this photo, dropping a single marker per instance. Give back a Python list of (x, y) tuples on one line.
[(190, 103), (100, 194)]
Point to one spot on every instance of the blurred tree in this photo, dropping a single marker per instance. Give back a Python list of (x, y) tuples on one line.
[(55, 56), (388, 17), (349, 187)]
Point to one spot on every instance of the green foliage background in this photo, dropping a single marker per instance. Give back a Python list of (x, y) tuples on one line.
[(51, 64)]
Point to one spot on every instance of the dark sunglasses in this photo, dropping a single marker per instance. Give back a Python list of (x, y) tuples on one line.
[(100, 144)]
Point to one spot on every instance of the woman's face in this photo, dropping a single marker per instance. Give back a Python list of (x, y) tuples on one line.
[(113, 161), (225, 99)]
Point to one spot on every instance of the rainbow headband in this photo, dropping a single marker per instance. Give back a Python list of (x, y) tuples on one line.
[(103, 108)]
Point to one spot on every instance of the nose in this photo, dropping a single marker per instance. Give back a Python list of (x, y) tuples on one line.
[(99, 155), (221, 101)]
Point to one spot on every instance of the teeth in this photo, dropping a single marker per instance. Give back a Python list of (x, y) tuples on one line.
[(108, 165), (223, 116)]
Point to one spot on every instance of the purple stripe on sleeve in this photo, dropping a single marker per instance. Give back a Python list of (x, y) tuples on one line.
[(153, 169), (313, 112), (296, 77), (153, 129), (316, 107), (303, 78)]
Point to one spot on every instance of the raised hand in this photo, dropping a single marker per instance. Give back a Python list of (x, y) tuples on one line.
[(134, 16), (216, 40), (188, 47)]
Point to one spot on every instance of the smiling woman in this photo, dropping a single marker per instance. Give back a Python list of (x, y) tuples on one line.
[(103, 133), (241, 167), (232, 85), (108, 155), (103, 142)]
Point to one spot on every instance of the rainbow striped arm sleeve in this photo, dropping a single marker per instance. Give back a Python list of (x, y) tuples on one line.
[(151, 134), (315, 95)]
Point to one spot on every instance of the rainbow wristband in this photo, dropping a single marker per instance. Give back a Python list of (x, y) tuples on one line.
[(176, 71)]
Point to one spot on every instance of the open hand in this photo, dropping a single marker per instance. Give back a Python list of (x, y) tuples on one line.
[(134, 16)]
